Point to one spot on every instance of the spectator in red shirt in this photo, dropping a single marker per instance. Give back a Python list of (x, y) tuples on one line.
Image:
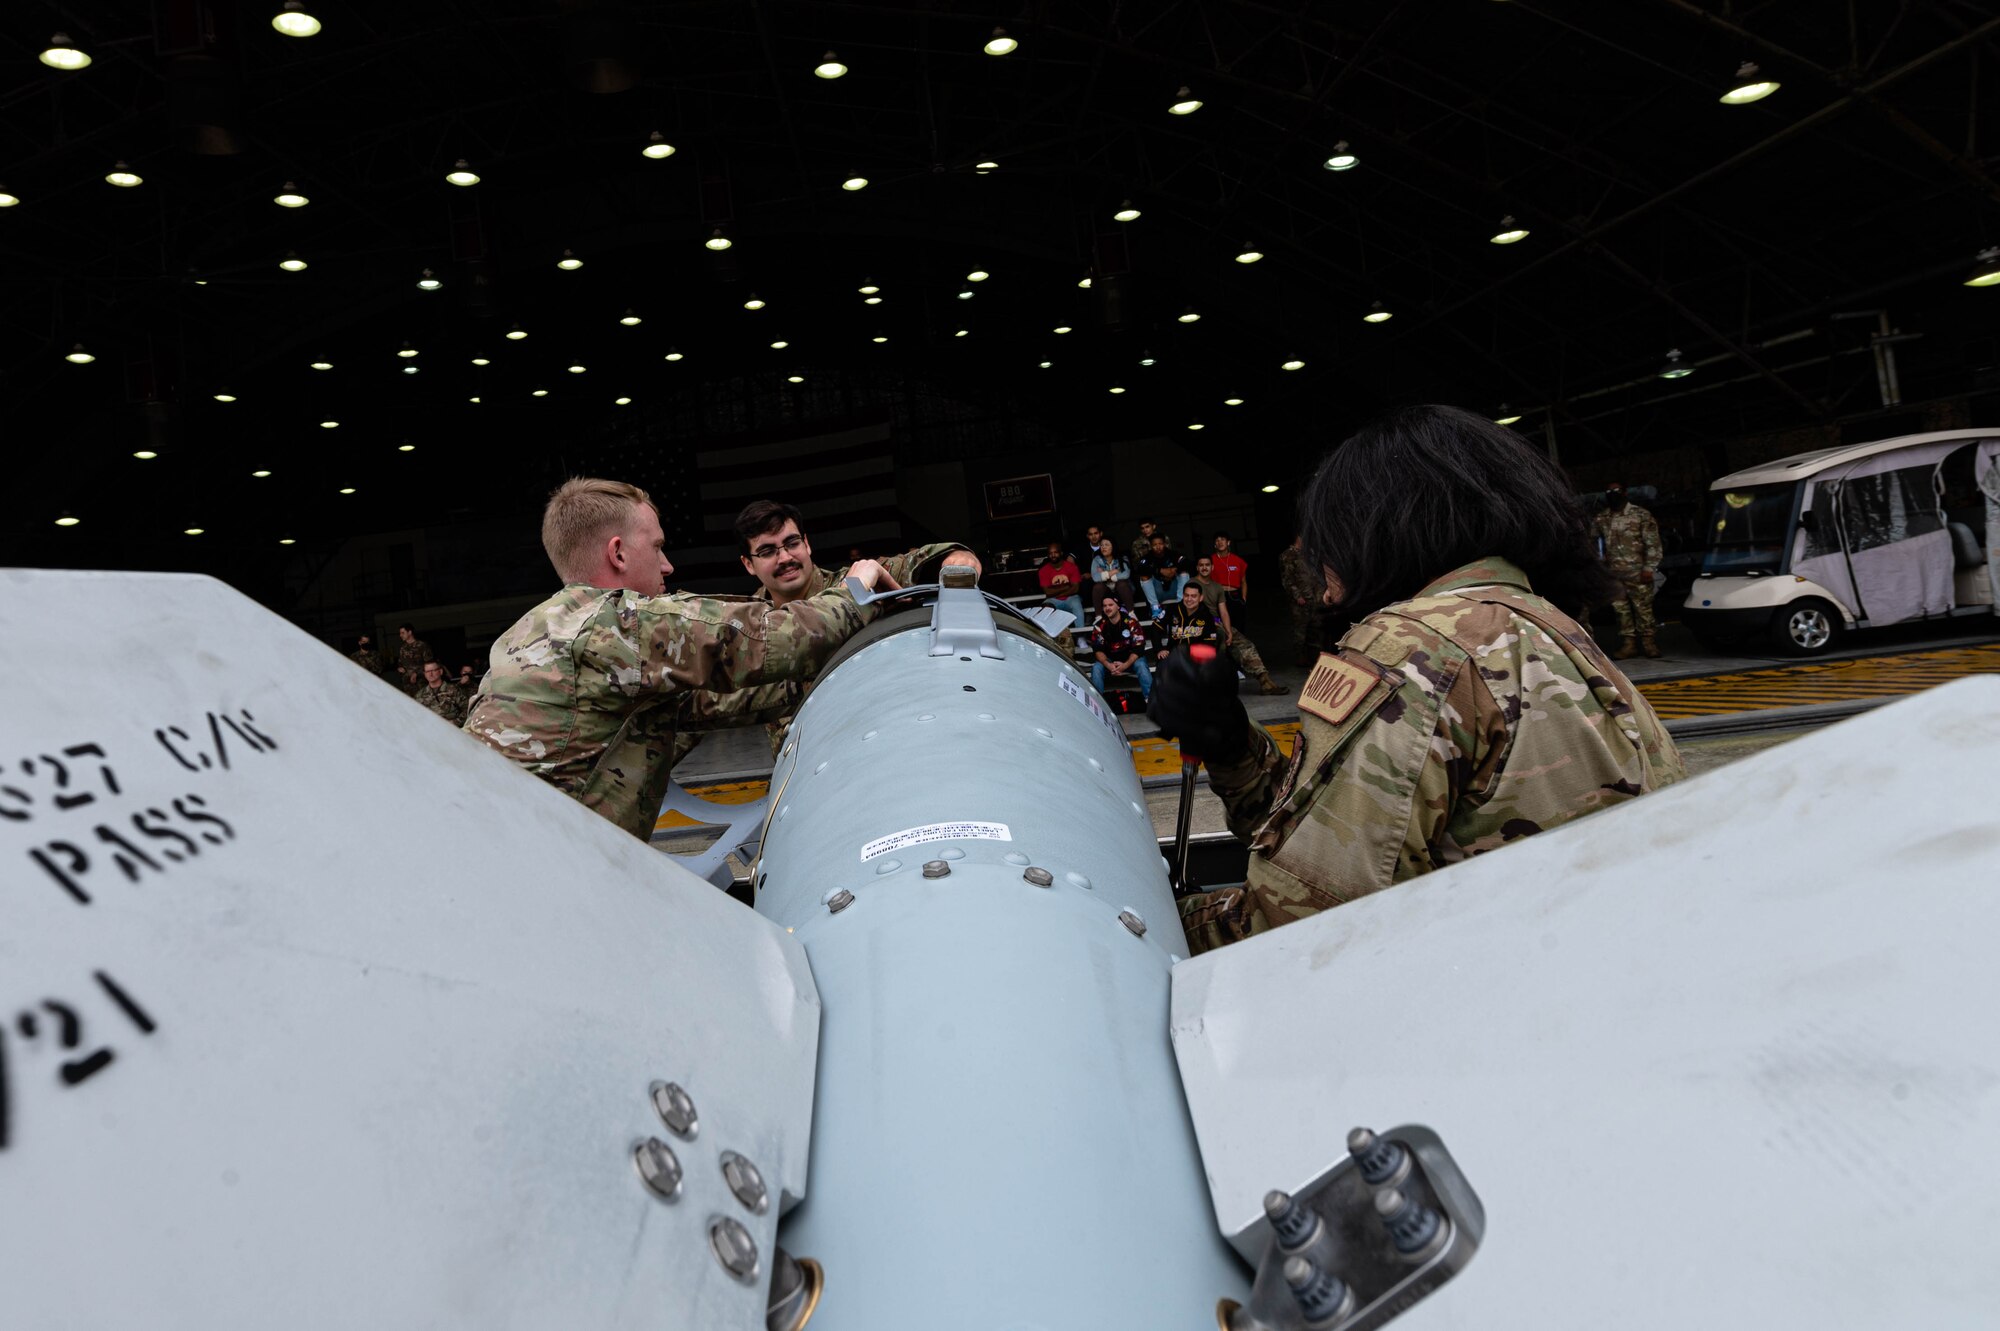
[(1230, 570), (1062, 582)]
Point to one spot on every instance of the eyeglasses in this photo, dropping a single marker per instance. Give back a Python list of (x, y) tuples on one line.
[(790, 545)]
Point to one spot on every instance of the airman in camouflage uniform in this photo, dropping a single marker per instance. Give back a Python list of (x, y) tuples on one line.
[(1236, 642), (1444, 726), (1629, 540), (442, 695), (1303, 587), (411, 653), (364, 656), (776, 704), (585, 689)]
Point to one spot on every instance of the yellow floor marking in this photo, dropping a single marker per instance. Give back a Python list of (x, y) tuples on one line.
[(1818, 681)]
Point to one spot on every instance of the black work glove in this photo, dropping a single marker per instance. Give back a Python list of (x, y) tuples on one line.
[(1196, 703)]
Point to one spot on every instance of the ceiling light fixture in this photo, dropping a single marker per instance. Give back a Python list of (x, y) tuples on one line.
[(1342, 158), (481, 360), (289, 197), (961, 332), (1270, 489), (717, 241), (292, 263), (1147, 360), (1046, 364), (410, 369), (192, 531), (780, 345), (225, 396), (124, 177), (406, 351), (621, 402), (569, 263), (829, 67), (577, 369), (977, 275), (629, 319), (1378, 313), (1196, 425), (286, 540), (1507, 415), (428, 281), (1249, 254), (67, 521), (755, 302), (1115, 389), (1987, 274), (261, 473), (1126, 213), (854, 183), (1232, 402), (878, 339), (8, 200), (516, 333), (406, 448), (1675, 368), (322, 365), (1188, 316), (868, 288), (144, 454), (795, 378), (539, 392), (657, 147), (1086, 282), (347, 489), (461, 174), (62, 53), (1293, 365), (76, 355), (1062, 328), (965, 293), (985, 168), (329, 425), (1185, 103), (1510, 232), (1000, 43), (293, 21), (1748, 86), (871, 300), (673, 354)]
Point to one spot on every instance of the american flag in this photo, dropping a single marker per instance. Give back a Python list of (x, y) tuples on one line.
[(843, 481)]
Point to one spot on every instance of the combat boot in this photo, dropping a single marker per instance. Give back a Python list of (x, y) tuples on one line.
[(1265, 684), (1648, 646), (1627, 649)]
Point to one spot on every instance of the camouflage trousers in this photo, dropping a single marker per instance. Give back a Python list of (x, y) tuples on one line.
[(1244, 653), (1634, 606), (1307, 630)]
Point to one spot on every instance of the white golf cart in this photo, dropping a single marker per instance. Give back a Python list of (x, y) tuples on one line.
[(1802, 549)]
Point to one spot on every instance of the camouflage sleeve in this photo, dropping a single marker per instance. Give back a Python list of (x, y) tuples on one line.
[(1654, 551), (918, 565), (1248, 786), (707, 709), (665, 644)]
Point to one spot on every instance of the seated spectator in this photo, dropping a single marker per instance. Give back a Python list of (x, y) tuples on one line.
[(1110, 575), (1190, 622), (1118, 641), (1142, 544), (1062, 582), (467, 680), (1166, 570)]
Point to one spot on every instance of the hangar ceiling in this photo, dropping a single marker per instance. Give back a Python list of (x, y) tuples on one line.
[(1769, 243)]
